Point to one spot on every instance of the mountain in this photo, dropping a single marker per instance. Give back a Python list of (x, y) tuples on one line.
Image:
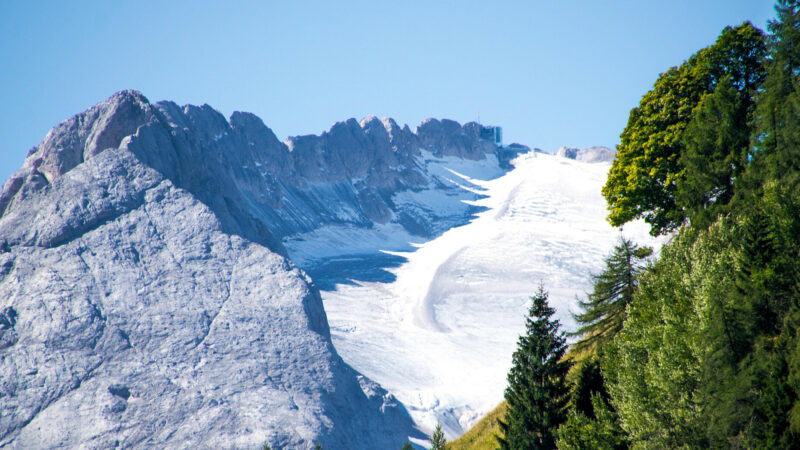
[(146, 294), (589, 154)]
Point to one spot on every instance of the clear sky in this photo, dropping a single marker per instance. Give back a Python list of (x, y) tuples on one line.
[(551, 73)]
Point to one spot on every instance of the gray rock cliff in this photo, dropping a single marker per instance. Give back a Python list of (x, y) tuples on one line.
[(145, 296), (589, 154)]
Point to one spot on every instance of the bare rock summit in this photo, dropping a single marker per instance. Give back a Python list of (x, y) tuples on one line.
[(145, 296)]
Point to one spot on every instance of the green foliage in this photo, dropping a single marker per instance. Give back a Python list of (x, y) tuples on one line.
[(537, 392), (643, 180), (589, 384), (592, 423), (602, 431), (656, 367), (407, 446), (438, 440), (777, 133), (767, 286), (716, 150), (709, 355), (605, 310)]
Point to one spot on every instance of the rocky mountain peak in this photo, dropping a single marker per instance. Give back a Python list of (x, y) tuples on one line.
[(375, 127), (76, 140), (588, 154), (101, 127), (145, 301), (239, 161)]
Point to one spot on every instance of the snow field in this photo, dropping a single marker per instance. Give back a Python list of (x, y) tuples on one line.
[(441, 335)]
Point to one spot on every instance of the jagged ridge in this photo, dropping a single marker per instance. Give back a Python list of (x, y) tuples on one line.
[(260, 188), (146, 301)]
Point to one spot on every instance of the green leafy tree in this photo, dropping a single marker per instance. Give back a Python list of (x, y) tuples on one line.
[(605, 310), (708, 354), (537, 392), (438, 440), (643, 179)]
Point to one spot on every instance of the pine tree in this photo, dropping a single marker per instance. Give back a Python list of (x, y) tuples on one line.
[(604, 311), (537, 392), (438, 440), (407, 446)]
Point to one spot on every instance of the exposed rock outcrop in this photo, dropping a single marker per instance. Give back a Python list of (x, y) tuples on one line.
[(260, 189), (144, 300), (589, 154)]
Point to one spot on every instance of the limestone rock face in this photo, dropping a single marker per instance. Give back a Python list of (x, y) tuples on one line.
[(144, 300), (589, 154), (449, 138)]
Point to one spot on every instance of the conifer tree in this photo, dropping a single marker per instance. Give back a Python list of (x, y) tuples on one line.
[(602, 431), (438, 440), (604, 311), (537, 392), (777, 131), (589, 383), (716, 141)]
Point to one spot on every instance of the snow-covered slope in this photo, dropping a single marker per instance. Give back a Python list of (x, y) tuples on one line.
[(437, 329)]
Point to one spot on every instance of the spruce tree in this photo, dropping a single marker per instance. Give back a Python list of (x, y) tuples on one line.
[(438, 440), (604, 311), (537, 392)]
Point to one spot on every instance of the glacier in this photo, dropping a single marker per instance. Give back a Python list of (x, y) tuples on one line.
[(438, 328)]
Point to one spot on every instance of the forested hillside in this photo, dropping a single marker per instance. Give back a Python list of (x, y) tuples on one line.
[(700, 347)]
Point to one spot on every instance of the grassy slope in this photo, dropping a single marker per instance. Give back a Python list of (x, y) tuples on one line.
[(482, 435)]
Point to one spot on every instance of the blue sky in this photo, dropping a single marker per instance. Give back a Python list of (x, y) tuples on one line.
[(551, 73)]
